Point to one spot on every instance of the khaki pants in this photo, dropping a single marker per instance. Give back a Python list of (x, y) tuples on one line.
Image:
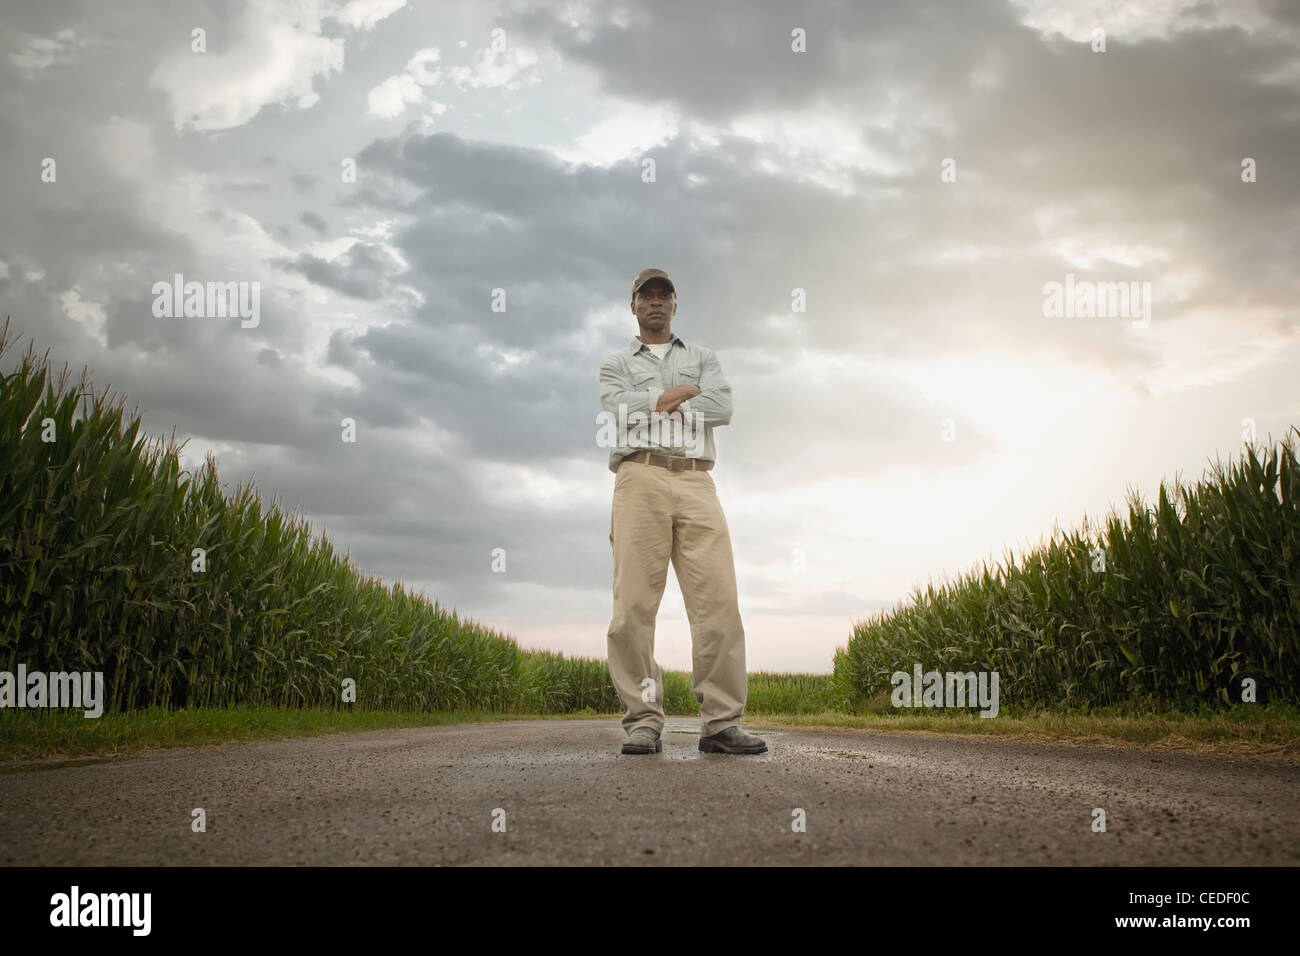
[(658, 514)]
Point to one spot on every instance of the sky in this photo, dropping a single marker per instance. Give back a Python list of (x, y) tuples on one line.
[(863, 207)]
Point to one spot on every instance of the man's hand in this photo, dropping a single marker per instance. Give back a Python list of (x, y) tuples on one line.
[(673, 397)]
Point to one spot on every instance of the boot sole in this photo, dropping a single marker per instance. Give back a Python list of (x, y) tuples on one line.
[(638, 749)]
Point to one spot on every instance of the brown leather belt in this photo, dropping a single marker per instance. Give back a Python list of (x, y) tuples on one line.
[(671, 462)]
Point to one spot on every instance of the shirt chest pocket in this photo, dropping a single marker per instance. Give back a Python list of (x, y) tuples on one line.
[(689, 375), (644, 380)]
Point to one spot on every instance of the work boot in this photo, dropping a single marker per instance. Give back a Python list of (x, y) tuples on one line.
[(643, 740), (733, 740)]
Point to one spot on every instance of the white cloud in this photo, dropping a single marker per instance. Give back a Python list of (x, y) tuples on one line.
[(814, 145), (507, 69), (391, 97), (38, 53), (1130, 22), (631, 130), (364, 14), (383, 229), (89, 314), (278, 53), (331, 249)]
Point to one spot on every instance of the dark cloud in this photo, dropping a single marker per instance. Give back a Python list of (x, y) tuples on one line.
[(362, 272), (313, 220)]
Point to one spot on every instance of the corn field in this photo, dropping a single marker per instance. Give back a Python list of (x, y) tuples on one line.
[(1200, 590), (771, 693), (98, 531)]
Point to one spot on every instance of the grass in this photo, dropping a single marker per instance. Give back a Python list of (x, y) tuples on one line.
[(1265, 731), (33, 735), (53, 737)]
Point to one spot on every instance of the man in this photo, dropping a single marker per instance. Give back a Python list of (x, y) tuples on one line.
[(666, 507)]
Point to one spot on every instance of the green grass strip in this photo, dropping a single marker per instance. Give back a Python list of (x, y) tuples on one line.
[(56, 736)]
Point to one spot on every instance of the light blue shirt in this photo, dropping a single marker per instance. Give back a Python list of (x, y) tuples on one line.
[(635, 377)]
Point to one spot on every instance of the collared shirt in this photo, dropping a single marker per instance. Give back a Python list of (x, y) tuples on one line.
[(635, 377)]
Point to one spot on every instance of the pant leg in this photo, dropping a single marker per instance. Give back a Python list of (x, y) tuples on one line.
[(706, 573), (640, 534)]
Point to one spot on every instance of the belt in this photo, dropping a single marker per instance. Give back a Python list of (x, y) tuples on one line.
[(671, 462)]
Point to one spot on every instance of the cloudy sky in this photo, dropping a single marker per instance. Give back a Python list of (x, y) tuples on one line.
[(920, 170)]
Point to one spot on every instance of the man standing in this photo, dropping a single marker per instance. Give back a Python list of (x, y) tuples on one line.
[(666, 507)]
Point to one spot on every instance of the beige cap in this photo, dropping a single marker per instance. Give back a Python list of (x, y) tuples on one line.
[(646, 275)]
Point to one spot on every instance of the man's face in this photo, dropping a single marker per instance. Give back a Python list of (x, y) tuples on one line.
[(654, 306)]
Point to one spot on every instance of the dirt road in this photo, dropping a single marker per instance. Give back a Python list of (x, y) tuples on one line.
[(565, 795)]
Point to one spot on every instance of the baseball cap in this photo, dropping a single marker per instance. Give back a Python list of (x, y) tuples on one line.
[(646, 275)]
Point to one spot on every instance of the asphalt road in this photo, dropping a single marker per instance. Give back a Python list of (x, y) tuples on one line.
[(427, 796)]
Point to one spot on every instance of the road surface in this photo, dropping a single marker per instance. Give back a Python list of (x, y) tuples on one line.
[(565, 795)]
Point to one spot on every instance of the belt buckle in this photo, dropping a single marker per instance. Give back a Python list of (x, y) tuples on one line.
[(676, 464)]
